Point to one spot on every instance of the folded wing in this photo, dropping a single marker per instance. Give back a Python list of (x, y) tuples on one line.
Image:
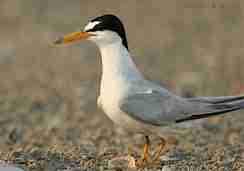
[(158, 108)]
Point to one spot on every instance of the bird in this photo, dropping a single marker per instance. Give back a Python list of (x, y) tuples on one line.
[(134, 102)]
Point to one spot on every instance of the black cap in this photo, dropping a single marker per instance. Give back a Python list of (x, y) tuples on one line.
[(112, 23)]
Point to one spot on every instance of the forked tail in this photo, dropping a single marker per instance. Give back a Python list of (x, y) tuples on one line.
[(216, 106)]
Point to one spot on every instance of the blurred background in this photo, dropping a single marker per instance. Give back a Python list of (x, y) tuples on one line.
[(192, 47)]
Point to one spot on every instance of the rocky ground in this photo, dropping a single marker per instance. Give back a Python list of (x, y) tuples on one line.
[(34, 141)]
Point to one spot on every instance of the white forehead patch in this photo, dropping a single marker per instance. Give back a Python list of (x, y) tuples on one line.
[(91, 25)]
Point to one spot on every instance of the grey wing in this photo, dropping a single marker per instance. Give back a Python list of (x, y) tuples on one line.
[(156, 107), (212, 106)]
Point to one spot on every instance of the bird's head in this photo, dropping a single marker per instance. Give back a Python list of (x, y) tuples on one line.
[(102, 30)]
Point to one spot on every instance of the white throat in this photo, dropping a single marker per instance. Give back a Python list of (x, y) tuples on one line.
[(118, 67)]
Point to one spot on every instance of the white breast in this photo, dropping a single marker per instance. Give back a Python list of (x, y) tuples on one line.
[(110, 106), (118, 71), (111, 94)]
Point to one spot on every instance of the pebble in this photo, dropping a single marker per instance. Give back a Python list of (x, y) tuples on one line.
[(122, 162), (10, 168)]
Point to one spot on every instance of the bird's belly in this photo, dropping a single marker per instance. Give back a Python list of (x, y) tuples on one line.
[(123, 119)]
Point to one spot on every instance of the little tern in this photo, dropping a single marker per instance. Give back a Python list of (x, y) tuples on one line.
[(133, 102)]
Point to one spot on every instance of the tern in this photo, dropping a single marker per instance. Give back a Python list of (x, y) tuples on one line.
[(134, 102)]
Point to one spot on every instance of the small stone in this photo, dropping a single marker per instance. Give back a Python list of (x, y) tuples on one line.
[(167, 168), (131, 162), (10, 168), (122, 162)]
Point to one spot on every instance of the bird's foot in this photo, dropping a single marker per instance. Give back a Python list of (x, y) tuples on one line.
[(143, 162), (145, 159)]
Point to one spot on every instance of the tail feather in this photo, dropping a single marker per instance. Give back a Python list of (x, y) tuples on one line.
[(206, 115), (217, 100), (216, 106)]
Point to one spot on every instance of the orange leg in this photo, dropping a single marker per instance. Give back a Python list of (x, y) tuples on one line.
[(145, 156), (159, 151)]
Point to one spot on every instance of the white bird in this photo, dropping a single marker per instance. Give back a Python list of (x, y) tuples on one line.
[(129, 99)]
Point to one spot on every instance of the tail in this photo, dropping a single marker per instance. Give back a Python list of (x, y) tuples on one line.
[(216, 106)]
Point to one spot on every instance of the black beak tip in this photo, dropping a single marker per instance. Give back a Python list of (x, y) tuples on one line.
[(58, 41)]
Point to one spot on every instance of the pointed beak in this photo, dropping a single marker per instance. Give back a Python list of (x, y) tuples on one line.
[(73, 37)]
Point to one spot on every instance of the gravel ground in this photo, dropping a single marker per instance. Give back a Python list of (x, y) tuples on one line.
[(94, 143)]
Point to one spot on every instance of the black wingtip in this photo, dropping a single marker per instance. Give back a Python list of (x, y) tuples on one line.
[(206, 115)]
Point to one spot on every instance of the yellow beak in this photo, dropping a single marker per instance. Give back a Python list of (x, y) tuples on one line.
[(73, 37)]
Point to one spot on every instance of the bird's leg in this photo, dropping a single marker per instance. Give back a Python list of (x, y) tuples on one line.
[(145, 156), (159, 151)]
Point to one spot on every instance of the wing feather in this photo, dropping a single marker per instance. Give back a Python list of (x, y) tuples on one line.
[(154, 108)]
